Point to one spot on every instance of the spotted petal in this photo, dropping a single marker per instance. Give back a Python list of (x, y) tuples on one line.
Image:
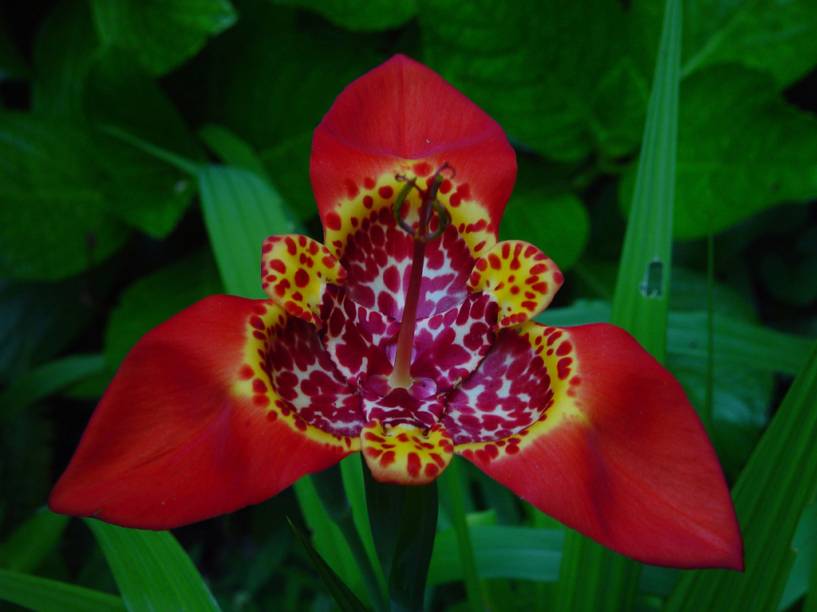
[(589, 428), (192, 425), (403, 121)]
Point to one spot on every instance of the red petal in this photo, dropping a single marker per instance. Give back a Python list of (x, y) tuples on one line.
[(182, 434), (620, 455), (404, 112)]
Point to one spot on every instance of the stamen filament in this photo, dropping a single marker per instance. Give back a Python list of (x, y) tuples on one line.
[(401, 375)]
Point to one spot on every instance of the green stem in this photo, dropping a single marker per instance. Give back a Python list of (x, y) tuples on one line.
[(453, 483)]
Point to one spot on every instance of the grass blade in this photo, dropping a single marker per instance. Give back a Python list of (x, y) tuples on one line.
[(152, 570), (46, 595), (341, 593), (592, 577), (774, 488), (30, 543), (46, 380)]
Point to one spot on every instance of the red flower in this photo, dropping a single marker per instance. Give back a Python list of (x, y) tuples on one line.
[(407, 336)]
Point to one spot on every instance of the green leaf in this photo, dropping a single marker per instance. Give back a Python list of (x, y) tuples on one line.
[(595, 578), (32, 541), (546, 215), (360, 15), (152, 570), (52, 596), (45, 380), (404, 521), (159, 34), (519, 553), (54, 218), (52, 314), (240, 209), (229, 147), (773, 36), (344, 597), (548, 72), (311, 62), (80, 82), (804, 544), (741, 150), (770, 496), (153, 299), (287, 163)]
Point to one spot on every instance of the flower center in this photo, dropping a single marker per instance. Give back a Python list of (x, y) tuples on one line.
[(422, 235)]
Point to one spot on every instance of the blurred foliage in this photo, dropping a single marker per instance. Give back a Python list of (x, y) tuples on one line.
[(122, 121)]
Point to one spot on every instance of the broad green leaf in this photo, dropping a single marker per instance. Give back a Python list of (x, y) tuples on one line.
[(595, 578), (547, 215), (153, 299), (64, 50), (32, 541), (361, 15), (520, 553), (46, 595), (52, 314), (741, 149), (770, 496), (311, 62), (47, 379), (55, 220), (152, 570), (159, 34), (79, 82), (549, 72), (775, 36)]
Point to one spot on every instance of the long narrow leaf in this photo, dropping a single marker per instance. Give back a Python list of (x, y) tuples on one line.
[(773, 489), (46, 595), (30, 543), (46, 380), (593, 578), (152, 570)]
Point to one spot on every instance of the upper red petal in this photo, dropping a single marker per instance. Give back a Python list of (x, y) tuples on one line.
[(402, 111), (174, 441), (620, 455)]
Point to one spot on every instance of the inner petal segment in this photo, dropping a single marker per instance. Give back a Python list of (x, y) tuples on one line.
[(287, 372), (295, 271), (404, 453), (377, 253), (519, 277)]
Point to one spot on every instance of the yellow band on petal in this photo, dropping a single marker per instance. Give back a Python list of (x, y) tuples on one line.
[(520, 277)]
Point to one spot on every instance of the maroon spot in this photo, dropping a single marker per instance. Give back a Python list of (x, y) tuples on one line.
[(445, 186), (278, 265), (260, 400), (368, 182), (422, 168), (431, 470), (351, 187), (413, 465), (385, 192), (387, 459), (301, 277), (564, 348), (333, 221), (258, 386)]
